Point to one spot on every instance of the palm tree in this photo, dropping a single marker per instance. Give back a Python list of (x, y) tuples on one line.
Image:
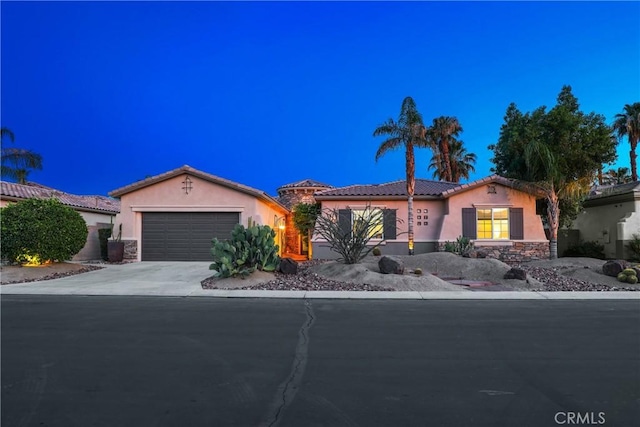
[(409, 131), (441, 132), (541, 162), (616, 176), (462, 162), (628, 123), (17, 163)]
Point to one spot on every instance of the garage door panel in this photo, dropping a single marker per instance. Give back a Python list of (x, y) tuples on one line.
[(184, 236)]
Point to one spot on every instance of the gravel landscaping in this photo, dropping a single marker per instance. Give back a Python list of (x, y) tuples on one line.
[(564, 274), (18, 274)]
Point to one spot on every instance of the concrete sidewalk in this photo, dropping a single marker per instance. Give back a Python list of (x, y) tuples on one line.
[(182, 279)]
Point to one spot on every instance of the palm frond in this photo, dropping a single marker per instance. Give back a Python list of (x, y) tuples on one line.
[(8, 133), (389, 145)]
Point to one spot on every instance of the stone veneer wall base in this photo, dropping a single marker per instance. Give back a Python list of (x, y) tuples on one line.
[(515, 253), (130, 249)]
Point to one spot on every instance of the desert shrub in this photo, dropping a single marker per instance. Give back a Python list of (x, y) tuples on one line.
[(249, 249), (417, 272), (39, 230), (376, 251), (634, 246), (460, 246), (103, 238), (586, 250), (351, 243)]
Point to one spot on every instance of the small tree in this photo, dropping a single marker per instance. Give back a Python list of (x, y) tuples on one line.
[(304, 218), (351, 243), (37, 231)]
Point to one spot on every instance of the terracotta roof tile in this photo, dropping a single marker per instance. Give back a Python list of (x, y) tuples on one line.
[(306, 183), (424, 188), (391, 189), (32, 190)]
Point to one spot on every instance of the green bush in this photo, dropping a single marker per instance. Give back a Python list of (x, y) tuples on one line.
[(585, 250), (460, 246), (103, 237), (248, 250), (376, 251), (634, 246), (39, 230)]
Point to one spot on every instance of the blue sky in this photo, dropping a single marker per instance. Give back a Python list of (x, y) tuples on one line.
[(267, 93)]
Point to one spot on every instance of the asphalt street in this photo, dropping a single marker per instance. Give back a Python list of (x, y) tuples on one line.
[(137, 361)]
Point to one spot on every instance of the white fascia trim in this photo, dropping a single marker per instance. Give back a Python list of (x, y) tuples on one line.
[(187, 208)]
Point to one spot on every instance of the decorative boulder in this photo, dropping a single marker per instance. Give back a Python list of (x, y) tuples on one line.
[(475, 253), (516, 273), (391, 265), (288, 266), (614, 267)]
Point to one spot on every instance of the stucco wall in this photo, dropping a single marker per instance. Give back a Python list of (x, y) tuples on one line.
[(204, 196), (445, 221), (503, 197), (611, 225), (425, 236)]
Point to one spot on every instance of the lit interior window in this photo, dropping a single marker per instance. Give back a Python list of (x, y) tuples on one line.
[(359, 217), (493, 223)]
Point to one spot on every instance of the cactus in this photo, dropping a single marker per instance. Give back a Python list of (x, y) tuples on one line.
[(248, 250)]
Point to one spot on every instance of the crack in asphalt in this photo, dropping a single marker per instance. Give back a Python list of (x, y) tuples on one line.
[(288, 389)]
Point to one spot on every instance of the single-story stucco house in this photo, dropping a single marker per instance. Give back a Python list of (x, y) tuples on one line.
[(174, 216), (97, 211), (611, 216), (491, 212)]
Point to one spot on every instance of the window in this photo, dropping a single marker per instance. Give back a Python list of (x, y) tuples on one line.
[(493, 223), (359, 216)]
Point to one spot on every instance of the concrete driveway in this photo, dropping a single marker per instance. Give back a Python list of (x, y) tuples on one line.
[(140, 278)]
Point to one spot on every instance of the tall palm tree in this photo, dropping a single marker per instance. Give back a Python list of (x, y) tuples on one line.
[(441, 132), (628, 124), (17, 163), (408, 132)]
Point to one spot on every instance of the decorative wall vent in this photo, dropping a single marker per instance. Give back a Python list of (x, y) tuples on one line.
[(186, 185), (491, 189)]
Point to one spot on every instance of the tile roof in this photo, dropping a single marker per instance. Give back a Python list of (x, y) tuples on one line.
[(186, 169), (13, 191), (611, 190), (424, 188), (305, 183)]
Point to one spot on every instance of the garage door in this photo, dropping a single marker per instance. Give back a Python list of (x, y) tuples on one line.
[(184, 236)]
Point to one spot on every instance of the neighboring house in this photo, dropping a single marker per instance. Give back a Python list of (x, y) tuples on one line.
[(495, 215), (610, 216), (97, 211), (289, 195), (174, 216)]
